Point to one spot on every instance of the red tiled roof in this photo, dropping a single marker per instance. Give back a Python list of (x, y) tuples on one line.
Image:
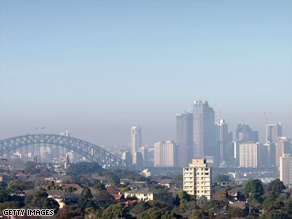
[(21, 175), (240, 204), (130, 202), (112, 190), (76, 186), (117, 196)]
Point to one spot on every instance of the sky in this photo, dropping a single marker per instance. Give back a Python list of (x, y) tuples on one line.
[(101, 67)]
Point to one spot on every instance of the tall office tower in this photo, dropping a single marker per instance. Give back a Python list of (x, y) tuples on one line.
[(197, 179), (273, 131), (136, 139), (286, 169), (138, 159), (223, 137), (127, 157), (249, 155), (245, 133), (144, 152), (184, 138), (203, 130), (271, 154), (283, 146), (165, 154)]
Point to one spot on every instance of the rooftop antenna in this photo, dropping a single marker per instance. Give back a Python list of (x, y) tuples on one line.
[(266, 119)]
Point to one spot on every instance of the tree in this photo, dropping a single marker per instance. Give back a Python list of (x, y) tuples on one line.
[(163, 195), (83, 168), (201, 214), (103, 199), (203, 202), (125, 189), (183, 195), (253, 190), (86, 199), (69, 211), (139, 207), (99, 186), (70, 189), (221, 178), (40, 200), (276, 186), (4, 196), (52, 186), (116, 211), (157, 213), (236, 212), (19, 185)]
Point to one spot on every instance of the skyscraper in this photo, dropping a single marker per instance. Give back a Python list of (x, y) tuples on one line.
[(136, 139), (223, 137), (249, 155), (283, 146), (273, 131), (165, 154), (286, 169), (203, 130), (244, 133), (184, 136)]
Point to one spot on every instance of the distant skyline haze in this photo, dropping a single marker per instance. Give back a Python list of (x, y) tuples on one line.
[(105, 66)]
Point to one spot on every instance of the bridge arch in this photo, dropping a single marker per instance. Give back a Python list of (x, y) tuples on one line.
[(86, 149)]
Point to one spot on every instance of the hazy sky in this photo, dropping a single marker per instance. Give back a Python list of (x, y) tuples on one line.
[(101, 67)]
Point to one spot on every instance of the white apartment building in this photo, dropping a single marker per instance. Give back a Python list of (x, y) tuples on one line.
[(197, 179), (165, 154), (286, 169), (249, 155)]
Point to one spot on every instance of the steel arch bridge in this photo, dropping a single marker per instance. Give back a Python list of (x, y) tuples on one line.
[(88, 150)]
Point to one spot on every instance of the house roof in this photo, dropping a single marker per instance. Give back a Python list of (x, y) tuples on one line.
[(21, 175), (239, 204), (112, 190), (76, 186), (117, 196), (144, 191)]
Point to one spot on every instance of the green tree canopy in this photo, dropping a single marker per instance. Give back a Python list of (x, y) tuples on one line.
[(125, 189), (99, 186), (40, 200), (116, 211), (276, 186), (103, 199), (254, 190), (86, 199), (83, 168), (69, 211), (19, 185), (220, 178)]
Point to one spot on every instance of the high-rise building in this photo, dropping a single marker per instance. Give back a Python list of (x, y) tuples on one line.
[(197, 179), (127, 157), (245, 134), (249, 155), (138, 159), (223, 138), (165, 154), (184, 138), (144, 152), (283, 146), (136, 139), (203, 130), (286, 169), (273, 131)]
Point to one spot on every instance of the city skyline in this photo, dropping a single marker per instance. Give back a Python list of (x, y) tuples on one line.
[(102, 69)]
